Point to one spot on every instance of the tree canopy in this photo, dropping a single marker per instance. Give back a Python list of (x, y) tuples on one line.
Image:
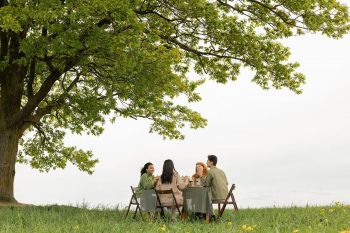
[(70, 65)]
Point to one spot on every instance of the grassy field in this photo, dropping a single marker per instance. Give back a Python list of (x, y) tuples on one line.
[(44, 219)]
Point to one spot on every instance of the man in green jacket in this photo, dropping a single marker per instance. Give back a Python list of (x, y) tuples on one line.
[(215, 179)]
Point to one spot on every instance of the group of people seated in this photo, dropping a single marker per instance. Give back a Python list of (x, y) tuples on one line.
[(205, 175)]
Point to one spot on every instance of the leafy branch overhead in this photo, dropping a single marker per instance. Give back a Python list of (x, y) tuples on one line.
[(68, 65)]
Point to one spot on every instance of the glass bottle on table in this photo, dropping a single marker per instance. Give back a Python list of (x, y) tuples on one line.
[(190, 179)]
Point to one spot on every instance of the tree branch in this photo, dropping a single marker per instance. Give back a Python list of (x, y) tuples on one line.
[(14, 43), (199, 52), (31, 77), (144, 12), (287, 21), (55, 74), (36, 99), (41, 112), (42, 134), (4, 44)]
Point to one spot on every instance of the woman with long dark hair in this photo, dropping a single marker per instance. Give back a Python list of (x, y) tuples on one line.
[(168, 171), (170, 179), (147, 180)]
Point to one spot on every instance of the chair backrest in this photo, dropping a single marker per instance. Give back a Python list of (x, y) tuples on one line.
[(162, 192), (170, 191), (233, 186), (133, 190), (134, 198)]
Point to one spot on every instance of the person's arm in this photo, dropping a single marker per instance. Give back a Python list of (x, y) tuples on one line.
[(179, 183), (148, 182), (207, 180), (140, 187), (155, 180), (226, 179), (158, 184)]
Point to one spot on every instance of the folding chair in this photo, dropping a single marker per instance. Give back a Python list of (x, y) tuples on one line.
[(162, 206), (226, 202), (134, 201)]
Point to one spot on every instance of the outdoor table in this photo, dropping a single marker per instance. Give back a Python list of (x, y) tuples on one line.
[(148, 200), (197, 200)]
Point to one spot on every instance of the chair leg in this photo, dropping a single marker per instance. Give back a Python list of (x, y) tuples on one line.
[(173, 213), (234, 202), (137, 207), (219, 209), (161, 212), (127, 212), (222, 209), (207, 218), (184, 215), (140, 213), (178, 210)]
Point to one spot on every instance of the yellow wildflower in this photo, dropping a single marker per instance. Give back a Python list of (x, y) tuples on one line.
[(248, 228), (338, 204), (229, 223), (326, 221), (163, 228), (346, 231), (296, 231)]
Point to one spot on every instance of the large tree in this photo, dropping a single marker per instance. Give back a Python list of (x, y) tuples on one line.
[(68, 65)]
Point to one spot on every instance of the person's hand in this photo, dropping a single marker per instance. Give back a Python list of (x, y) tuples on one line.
[(199, 170), (156, 179), (187, 180)]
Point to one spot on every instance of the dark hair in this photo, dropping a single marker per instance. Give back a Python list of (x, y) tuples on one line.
[(213, 159), (143, 170), (168, 172)]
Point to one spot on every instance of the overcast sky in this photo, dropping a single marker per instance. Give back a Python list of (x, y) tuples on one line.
[(279, 148)]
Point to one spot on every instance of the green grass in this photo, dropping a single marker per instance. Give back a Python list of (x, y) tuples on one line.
[(44, 219)]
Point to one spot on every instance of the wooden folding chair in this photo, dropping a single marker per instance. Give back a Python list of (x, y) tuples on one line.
[(161, 206), (225, 202), (134, 201)]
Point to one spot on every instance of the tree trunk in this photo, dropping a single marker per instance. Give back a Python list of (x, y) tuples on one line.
[(12, 77), (8, 152)]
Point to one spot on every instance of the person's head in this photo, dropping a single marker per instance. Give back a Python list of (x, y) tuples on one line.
[(147, 168), (212, 160), (204, 169), (168, 172)]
